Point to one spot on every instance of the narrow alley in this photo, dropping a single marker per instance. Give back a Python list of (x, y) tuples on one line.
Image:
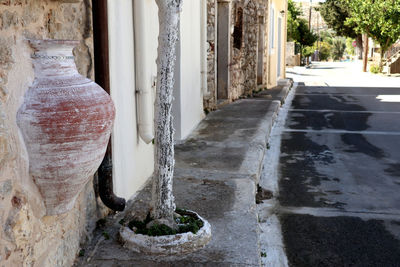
[(338, 171)]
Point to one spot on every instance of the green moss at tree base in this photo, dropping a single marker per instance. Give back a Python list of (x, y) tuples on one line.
[(187, 222)]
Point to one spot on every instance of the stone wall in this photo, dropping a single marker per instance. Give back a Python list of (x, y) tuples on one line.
[(237, 75), (244, 57), (28, 238), (210, 102), (236, 69), (250, 28), (265, 4), (291, 58)]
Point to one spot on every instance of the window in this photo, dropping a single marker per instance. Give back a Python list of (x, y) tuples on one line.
[(238, 29)]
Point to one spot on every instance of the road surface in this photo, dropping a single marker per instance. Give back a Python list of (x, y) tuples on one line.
[(339, 168)]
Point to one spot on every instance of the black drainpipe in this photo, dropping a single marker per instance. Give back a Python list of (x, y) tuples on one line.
[(102, 77)]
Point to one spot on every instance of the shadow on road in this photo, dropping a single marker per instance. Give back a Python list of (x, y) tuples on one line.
[(340, 155)]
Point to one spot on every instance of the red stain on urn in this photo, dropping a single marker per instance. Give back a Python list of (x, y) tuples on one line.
[(66, 120)]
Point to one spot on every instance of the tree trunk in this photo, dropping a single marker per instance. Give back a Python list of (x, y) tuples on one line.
[(301, 55), (366, 48), (360, 46), (384, 48), (163, 204), (381, 60)]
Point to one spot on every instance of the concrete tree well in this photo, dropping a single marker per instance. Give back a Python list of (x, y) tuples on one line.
[(167, 245)]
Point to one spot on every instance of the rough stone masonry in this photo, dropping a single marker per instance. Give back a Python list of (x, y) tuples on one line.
[(28, 238), (247, 19)]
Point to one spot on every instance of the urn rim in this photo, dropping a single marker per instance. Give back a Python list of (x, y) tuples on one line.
[(52, 45), (54, 41)]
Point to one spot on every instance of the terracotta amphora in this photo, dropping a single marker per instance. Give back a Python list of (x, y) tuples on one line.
[(66, 122)]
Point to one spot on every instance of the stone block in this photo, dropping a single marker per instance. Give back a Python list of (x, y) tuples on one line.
[(11, 2), (67, 1), (3, 91), (5, 188), (3, 82), (83, 59), (3, 77), (4, 143), (31, 13), (9, 19), (6, 55)]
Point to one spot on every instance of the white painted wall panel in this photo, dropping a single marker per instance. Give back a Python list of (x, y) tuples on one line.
[(133, 160), (190, 98)]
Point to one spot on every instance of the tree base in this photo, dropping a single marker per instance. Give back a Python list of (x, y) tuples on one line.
[(167, 245)]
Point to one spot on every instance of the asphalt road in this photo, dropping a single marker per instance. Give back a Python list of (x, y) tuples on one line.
[(339, 168)]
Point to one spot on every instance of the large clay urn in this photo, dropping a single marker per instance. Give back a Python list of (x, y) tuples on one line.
[(66, 121)]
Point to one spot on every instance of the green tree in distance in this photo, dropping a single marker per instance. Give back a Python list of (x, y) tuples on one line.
[(306, 37), (339, 47), (335, 14), (298, 30), (293, 14), (380, 19), (324, 50)]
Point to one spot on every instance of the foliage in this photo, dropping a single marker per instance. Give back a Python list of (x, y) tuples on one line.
[(380, 19), (306, 37), (349, 46), (324, 53), (326, 36), (324, 50), (294, 12), (338, 48), (189, 223), (374, 69), (324, 46), (81, 253), (106, 235), (307, 51), (298, 30), (186, 223), (335, 14)]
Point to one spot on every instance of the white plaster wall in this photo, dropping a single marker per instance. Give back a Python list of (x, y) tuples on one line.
[(278, 5), (188, 110), (133, 160)]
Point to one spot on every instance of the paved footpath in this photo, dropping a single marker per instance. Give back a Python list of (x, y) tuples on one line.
[(339, 169), (216, 174)]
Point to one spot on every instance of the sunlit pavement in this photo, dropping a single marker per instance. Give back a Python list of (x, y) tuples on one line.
[(339, 168), (341, 74)]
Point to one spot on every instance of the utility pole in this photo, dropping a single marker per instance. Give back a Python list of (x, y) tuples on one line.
[(309, 27), (309, 21), (318, 35)]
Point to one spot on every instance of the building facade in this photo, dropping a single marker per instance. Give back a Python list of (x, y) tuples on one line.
[(246, 40)]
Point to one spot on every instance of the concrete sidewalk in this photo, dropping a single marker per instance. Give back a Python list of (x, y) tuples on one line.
[(217, 171)]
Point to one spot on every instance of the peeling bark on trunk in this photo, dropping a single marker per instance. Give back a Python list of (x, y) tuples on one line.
[(163, 204)]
